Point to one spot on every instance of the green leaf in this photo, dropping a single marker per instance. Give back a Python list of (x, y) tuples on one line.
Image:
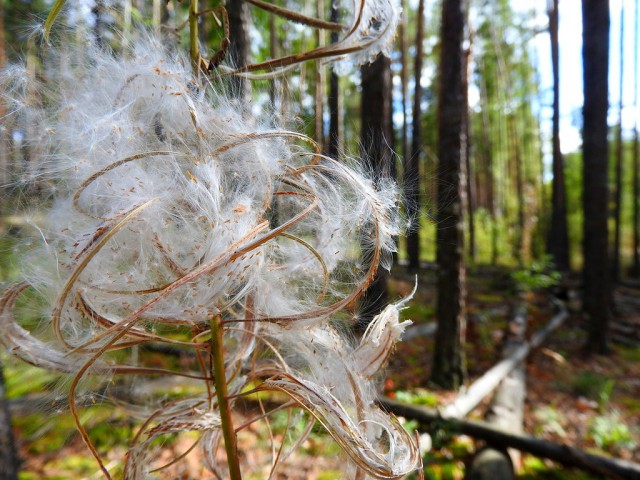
[(53, 14)]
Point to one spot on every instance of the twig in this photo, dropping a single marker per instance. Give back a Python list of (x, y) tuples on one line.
[(564, 454)]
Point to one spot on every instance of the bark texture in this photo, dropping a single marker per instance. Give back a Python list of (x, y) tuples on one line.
[(376, 138), (615, 261), (558, 239), (635, 269), (595, 56), (449, 359), (238, 53), (8, 456), (636, 152), (334, 101), (412, 166)]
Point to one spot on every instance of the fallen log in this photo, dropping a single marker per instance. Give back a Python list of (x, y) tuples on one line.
[(466, 402), (492, 464), (563, 454), (506, 410), (422, 330)]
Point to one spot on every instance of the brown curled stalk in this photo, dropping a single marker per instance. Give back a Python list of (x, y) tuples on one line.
[(297, 17)]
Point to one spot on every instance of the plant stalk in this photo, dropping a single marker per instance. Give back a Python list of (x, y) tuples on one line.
[(194, 47), (219, 376)]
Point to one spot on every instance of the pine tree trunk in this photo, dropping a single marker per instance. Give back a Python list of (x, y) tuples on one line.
[(375, 138), (319, 83), (238, 53), (517, 160), (402, 32), (99, 24), (489, 169), (9, 463), (156, 14), (636, 152), (595, 56), (615, 267), (471, 190), (449, 359), (558, 239), (334, 142), (8, 455), (4, 130), (412, 167)]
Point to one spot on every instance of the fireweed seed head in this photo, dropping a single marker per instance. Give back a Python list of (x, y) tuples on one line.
[(372, 31), (161, 207)]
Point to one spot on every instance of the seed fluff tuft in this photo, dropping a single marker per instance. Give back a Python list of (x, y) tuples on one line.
[(164, 207)]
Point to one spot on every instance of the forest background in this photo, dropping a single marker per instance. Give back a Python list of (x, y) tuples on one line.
[(497, 225)]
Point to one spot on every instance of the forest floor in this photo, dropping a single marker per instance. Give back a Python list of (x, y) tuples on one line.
[(589, 402), (592, 403)]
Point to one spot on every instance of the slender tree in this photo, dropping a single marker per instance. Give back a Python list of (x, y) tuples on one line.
[(156, 14), (4, 134), (319, 83), (238, 53), (488, 180), (376, 134), (9, 462), (636, 151), (335, 140), (595, 58), (471, 190), (8, 455), (617, 206), (98, 22), (402, 33), (558, 239), (412, 167), (449, 359)]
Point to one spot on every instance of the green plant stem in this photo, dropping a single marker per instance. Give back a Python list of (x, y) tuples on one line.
[(219, 376), (193, 35)]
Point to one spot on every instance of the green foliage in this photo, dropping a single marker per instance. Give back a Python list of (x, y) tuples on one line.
[(594, 386), (535, 468), (538, 275), (419, 396), (609, 432), (8, 255), (420, 311), (329, 475), (21, 379), (549, 421)]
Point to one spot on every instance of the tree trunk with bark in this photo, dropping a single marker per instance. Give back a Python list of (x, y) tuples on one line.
[(617, 206), (449, 369), (375, 140), (4, 130), (506, 410), (319, 83), (412, 166), (9, 463), (402, 33), (636, 152), (558, 239), (471, 190), (334, 102), (595, 57), (238, 53)]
